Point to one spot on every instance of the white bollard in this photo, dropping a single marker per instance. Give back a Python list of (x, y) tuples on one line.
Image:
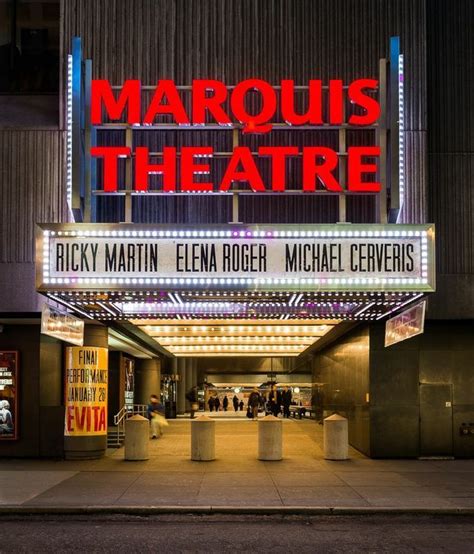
[(270, 438), (137, 430), (203, 439), (336, 438)]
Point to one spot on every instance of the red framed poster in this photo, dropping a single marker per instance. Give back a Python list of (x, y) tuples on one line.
[(9, 397)]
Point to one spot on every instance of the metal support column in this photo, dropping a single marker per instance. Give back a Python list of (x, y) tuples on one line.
[(181, 400), (194, 370)]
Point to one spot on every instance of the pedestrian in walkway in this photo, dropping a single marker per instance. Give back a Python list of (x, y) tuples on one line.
[(210, 403), (235, 402), (274, 401), (225, 403), (254, 402), (286, 401), (241, 405), (156, 415), (263, 401), (192, 398), (217, 403)]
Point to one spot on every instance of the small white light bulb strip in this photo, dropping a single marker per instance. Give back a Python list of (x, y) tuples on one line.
[(69, 133)]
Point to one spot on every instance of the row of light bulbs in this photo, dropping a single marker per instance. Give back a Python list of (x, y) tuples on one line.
[(237, 347), (247, 233), (235, 340), (237, 328)]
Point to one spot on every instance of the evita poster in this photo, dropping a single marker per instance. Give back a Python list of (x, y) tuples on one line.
[(8, 395)]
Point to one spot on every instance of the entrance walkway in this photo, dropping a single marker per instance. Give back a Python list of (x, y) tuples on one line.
[(237, 478)]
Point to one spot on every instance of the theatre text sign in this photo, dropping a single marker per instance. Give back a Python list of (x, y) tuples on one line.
[(322, 257)]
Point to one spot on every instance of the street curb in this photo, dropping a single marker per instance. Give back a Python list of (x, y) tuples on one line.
[(223, 510)]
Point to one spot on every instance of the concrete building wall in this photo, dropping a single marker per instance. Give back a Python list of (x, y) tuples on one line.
[(41, 411), (444, 354), (394, 406), (450, 47), (32, 190), (341, 372), (386, 424)]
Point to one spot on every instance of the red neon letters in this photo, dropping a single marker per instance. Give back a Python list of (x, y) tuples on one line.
[(213, 102), (319, 168)]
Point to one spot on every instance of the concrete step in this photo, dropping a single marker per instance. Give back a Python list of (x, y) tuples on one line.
[(115, 438)]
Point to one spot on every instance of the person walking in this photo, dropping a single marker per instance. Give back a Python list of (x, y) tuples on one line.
[(263, 402), (210, 403), (274, 401), (241, 405), (254, 402), (225, 403), (286, 401), (235, 402), (192, 398), (217, 403), (156, 415)]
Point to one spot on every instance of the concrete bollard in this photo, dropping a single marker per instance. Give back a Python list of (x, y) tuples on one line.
[(137, 431), (336, 438), (203, 439), (270, 438)]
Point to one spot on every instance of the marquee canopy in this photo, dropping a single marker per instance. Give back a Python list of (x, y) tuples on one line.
[(295, 275)]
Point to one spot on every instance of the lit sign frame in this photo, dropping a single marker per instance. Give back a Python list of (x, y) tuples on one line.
[(397, 232), (62, 325), (405, 325)]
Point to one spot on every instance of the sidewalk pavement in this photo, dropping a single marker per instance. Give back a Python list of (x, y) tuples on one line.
[(236, 480)]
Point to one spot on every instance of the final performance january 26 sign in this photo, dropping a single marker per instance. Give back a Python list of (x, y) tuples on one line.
[(86, 391)]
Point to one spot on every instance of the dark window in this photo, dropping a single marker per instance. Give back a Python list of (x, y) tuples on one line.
[(29, 47)]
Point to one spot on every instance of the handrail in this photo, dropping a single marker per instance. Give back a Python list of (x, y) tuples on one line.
[(124, 413)]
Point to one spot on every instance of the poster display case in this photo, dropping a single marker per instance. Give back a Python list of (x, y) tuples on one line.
[(9, 397)]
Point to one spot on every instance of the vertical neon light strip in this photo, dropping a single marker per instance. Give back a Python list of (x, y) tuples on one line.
[(401, 136), (69, 134)]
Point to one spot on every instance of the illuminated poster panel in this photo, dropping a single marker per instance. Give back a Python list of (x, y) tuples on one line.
[(408, 324), (62, 325), (129, 383), (86, 391), (9, 395)]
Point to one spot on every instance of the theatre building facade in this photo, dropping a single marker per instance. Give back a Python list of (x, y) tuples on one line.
[(199, 198)]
